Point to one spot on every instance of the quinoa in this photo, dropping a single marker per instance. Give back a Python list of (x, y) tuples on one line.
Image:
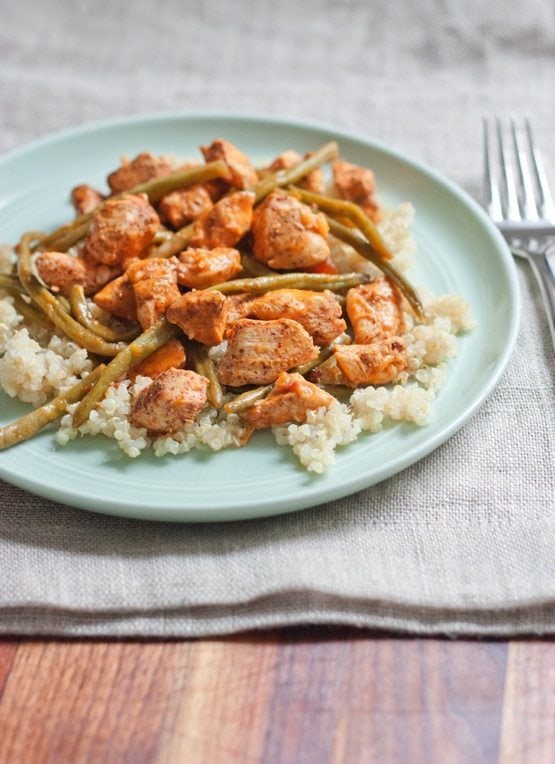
[(35, 366)]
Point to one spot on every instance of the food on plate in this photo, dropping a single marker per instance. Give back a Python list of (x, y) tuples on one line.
[(194, 303)]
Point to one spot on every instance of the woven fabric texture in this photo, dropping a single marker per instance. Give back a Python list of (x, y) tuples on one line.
[(460, 543)]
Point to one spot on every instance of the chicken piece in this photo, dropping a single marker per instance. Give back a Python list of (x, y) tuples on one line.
[(155, 285), (202, 316), (61, 271), (171, 400), (375, 310), (290, 401), (241, 172), (145, 166), (327, 373), (118, 298), (226, 223), (169, 356), (356, 184), (288, 235), (239, 306), (121, 229), (375, 364), (318, 312), (85, 199), (314, 181), (201, 268), (184, 206), (258, 351)]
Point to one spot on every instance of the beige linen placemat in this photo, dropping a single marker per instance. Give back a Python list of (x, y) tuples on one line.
[(460, 543)]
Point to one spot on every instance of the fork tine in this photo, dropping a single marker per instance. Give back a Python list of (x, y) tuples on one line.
[(512, 207), (528, 196), (547, 205), (491, 186)]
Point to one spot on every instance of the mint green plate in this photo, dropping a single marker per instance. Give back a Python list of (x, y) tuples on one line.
[(458, 251)]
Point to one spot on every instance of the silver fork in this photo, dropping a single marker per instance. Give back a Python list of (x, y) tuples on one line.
[(519, 201)]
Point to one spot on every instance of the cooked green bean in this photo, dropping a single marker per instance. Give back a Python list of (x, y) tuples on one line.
[(341, 208), (174, 244), (50, 306), (12, 286), (204, 366), (10, 283), (131, 355), (316, 282), (254, 267), (69, 234), (28, 425), (355, 240), (247, 399), (292, 175), (80, 310)]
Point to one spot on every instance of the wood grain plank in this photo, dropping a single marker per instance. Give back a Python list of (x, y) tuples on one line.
[(85, 701), (528, 727), (8, 650), (387, 700), (223, 715), (295, 696)]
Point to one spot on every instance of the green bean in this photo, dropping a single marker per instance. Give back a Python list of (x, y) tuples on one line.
[(118, 367), (204, 366), (157, 188), (174, 244), (69, 234), (292, 175), (247, 399), (355, 240), (28, 425), (254, 267), (341, 208), (81, 313), (12, 286), (46, 301), (10, 283), (314, 281)]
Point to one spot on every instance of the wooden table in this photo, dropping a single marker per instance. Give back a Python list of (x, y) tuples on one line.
[(305, 695)]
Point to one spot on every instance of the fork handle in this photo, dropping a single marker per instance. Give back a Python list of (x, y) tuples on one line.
[(546, 280)]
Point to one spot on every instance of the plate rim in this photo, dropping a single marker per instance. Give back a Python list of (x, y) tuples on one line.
[(254, 509)]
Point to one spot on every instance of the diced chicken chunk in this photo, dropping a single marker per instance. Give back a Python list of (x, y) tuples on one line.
[(356, 184), (290, 401), (375, 310), (314, 181), (239, 306), (241, 172), (174, 398), (145, 166), (121, 229), (288, 235), (184, 206), (375, 364), (226, 223), (85, 199), (201, 268), (61, 271), (155, 287), (118, 298), (202, 316), (318, 312), (258, 351), (169, 356)]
